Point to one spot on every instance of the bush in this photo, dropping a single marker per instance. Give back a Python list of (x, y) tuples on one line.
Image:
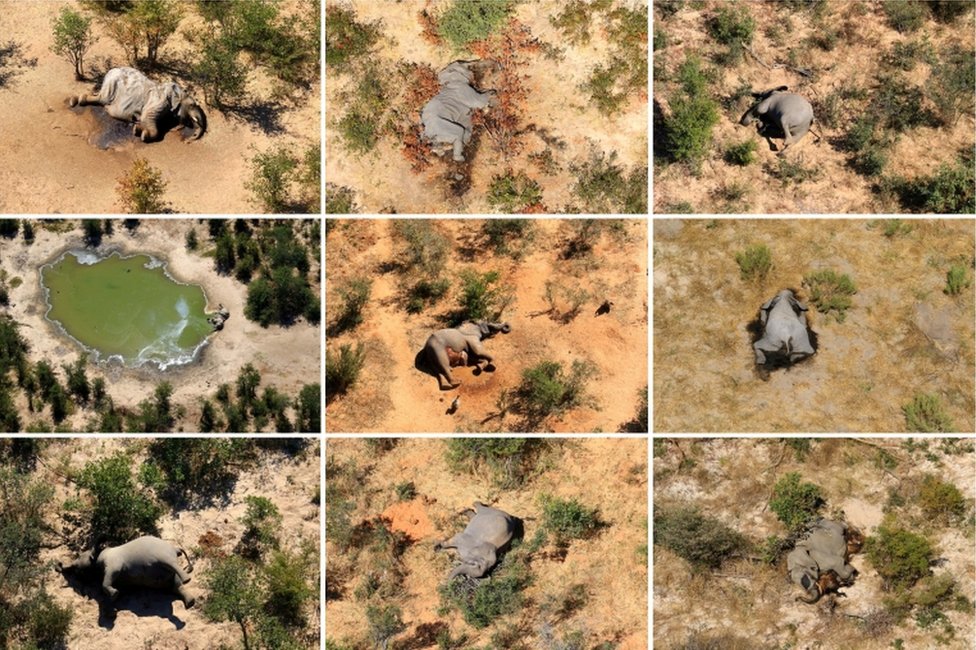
[(354, 294), (383, 623), (510, 460), (308, 409), (740, 154), (957, 279), (941, 502), (140, 191), (905, 55), (406, 491), (156, 20), (192, 468), (925, 414), (547, 390), (949, 191), (900, 104), (603, 187), (795, 503), (904, 15), (502, 233), (219, 71), (490, 599), (479, 299), (339, 199), (514, 193), (346, 39), (262, 524), (120, 511), (900, 557), (288, 586), (73, 38), (342, 370), (37, 621), (754, 262), (280, 298), (950, 86), (701, 541), (831, 292), (426, 248), (22, 528), (568, 519), (154, 415), (271, 176), (472, 20), (234, 593), (946, 11), (574, 21), (733, 26), (688, 130)]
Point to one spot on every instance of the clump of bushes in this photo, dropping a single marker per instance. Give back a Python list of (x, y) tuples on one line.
[(490, 599), (141, 189), (831, 292), (734, 27), (900, 556), (472, 20), (503, 233), (346, 39), (120, 510), (602, 186), (949, 191), (481, 297), (754, 262), (688, 130), (957, 279), (904, 15), (342, 369), (262, 524), (188, 468), (546, 389), (515, 193), (568, 519), (951, 83), (281, 182), (354, 294), (702, 541), (740, 154), (511, 461), (794, 502), (940, 501), (926, 414)]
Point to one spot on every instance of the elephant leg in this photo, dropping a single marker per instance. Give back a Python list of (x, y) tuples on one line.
[(798, 133), (111, 592), (188, 600), (478, 352), (443, 366), (451, 132), (761, 346), (182, 575), (84, 100)]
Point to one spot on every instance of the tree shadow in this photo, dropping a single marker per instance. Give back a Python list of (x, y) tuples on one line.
[(262, 114), (425, 636), (13, 62)]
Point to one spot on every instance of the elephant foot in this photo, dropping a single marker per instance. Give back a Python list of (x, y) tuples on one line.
[(72, 101), (458, 158)]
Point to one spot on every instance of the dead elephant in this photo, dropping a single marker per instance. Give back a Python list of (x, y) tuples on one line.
[(786, 339), (447, 116), (146, 562), (488, 531), (820, 562)]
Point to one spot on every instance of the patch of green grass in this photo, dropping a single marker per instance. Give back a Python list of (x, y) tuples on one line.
[(754, 262), (740, 154), (905, 15), (514, 193), (472, 20), (831, 292), (925, 414), (957, 279)]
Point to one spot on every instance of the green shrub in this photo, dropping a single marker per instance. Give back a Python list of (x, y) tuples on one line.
[(941, 502), (234, 594), (574, 21), (949, 191), (904, 15), (481, 298), (154, 415), (426, 247), (36, 621), (547, 390), (472, 20), (900, 104), (406, 491), (502, 233), (120, 510), (702, 541), (568, 519), (603, 187), (77, 379), (957, 279), (194, 468), (514, 193), (831, 292), (271, 176), (354, 294), (346, 39), (22, 528), (342, 370), (141, 189), (795, 503), (950, 86), (219, 71), (490, 599), (754, 262), (688, 130), (900, 557), (288, 586), (905, 55), (262, 525), (740, 154), (946, 11), (426, 292), (73, 38), (339, 199), (733, 26), (925, 414), (280, 298), (383, 623), (510, 460), (308, 408)]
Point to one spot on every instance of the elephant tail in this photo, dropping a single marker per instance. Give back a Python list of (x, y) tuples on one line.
[(189, 564)]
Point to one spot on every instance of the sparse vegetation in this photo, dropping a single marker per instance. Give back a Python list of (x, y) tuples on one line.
[(926, 414), (905, 16), (957, 279), (515, 193), (141, 190), (354, 296), (702, 541), (831, 292), (511, 460), (733, 26), (754, 262), (342, 369)]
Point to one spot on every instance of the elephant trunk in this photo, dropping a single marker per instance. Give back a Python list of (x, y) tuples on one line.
[(193, 115), (813, 594), (748, 117)]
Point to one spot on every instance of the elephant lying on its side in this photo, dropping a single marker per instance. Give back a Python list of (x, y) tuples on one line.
[(143, 562), (447, 117), (488, 531), (781, 115), (784, 326), (129, 95), (820, 562), (464, 342)]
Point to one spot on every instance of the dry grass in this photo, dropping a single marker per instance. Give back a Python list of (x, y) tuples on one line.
[(902, 336)]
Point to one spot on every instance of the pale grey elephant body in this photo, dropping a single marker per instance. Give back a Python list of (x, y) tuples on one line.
[(824, 550), (143, 562), (488, 531), (447, 117), (785, 336), (129, 95), (781, 115), (464, 342)]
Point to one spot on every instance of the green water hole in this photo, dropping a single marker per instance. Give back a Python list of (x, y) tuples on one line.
[(126, 308)]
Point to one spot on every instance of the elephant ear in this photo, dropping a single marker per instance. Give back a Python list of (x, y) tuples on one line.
[(175, 94)]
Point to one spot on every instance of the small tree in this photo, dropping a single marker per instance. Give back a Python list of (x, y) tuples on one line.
[(271, 174), (28, 232), (219, 71), (141, 190), (191, 239), (93, 232), (248, 381), (120, 510), (208, 417), (73, 38), (234, 594), (77, 379), (384, 623), (157, 20), (308, 409), (795, 503)]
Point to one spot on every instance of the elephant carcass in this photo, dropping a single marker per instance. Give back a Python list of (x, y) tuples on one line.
[(488, 531), (464, 340), (781, 115), (447, 116), (146, 562), (827, 549), (785, 337), (153, 107)]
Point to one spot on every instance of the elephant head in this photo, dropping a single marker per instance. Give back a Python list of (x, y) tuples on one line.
[(758, 108), (190, 114), (83, 566), (489, 329), (812, 587)]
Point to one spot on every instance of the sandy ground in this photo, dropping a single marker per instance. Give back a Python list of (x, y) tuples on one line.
[(732, 480), (854, 62), (903, 335), (287, 358), (609, 474), (154, 620), (49, 164), (393, 396), (383, 180)]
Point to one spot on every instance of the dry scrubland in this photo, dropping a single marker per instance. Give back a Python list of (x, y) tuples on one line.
[(67, 486), (584, 584), (737, 595), (902, 337), (50, 156), (249, 377), (891, 84), (569, 133), (390, 284)]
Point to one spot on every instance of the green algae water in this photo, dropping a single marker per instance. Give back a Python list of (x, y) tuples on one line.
[(126, 308)]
